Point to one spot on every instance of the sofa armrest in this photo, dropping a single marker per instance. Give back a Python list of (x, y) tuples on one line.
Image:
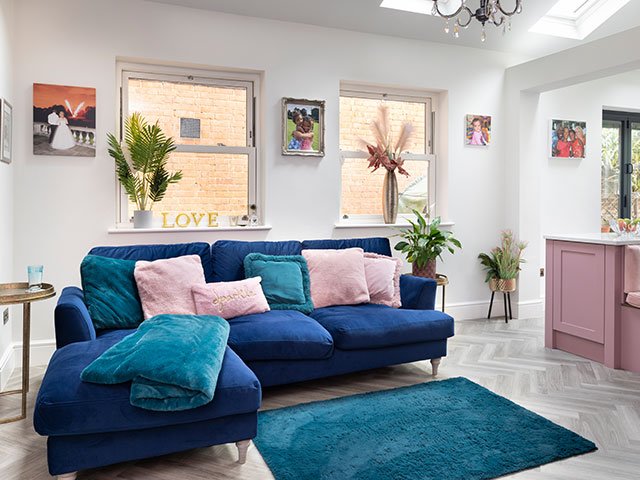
[(418, 293), (72, 320)]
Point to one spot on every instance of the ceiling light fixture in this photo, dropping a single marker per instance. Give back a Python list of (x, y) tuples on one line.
[(488, 12)]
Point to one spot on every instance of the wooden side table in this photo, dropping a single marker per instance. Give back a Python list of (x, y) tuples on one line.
[(14, 294), (442, 281)]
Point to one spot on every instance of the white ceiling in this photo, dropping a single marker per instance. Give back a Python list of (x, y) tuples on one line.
[(367, 16)]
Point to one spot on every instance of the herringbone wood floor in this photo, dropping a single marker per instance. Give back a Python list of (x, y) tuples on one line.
[(588, 398)]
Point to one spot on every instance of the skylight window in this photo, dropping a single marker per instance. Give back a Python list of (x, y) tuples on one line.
[(414, 6), (577, 19)]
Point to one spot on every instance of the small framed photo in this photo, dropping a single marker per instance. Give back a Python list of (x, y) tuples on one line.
[(6, 132), (567, 139), (303, 127), (478, 130)]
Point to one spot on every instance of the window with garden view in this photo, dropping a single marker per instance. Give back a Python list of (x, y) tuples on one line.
[(362, 189), (211, 121), (620, 167)]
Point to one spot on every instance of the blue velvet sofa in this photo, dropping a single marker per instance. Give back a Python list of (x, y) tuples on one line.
[(91, 425)]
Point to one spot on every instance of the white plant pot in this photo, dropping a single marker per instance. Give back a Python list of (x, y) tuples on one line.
[(142, 219)]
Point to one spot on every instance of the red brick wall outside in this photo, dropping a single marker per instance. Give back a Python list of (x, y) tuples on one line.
[(361, 189), (211, 182)]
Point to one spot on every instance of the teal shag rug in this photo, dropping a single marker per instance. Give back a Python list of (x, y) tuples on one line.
[(451, 429)]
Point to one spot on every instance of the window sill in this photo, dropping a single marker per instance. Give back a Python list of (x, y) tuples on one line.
[(227, 228), (383, 225)]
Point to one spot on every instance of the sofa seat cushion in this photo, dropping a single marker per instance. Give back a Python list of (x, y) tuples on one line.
[(279, 335), (68, 406), (355, 327)]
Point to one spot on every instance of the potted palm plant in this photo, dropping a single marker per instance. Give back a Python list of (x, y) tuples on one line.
[(423, 243), (502, 264), (142, 170)]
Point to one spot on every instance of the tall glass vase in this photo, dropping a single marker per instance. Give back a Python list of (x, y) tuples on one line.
[(390, 197)]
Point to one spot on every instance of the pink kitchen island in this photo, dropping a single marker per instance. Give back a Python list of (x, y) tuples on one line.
[(585, 309)]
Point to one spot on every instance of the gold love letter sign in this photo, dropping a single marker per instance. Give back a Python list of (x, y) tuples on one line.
[(193, 219)]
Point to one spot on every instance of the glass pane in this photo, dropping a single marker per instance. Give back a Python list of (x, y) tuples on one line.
[(208, 115), (635, 178), (362, 190), (356, 115), (610, 167), (210, 183)]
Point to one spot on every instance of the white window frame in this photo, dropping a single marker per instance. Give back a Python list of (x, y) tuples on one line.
[(402, 95), (249, 81)]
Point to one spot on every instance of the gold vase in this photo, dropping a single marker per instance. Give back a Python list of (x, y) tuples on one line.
[(503, 285), (390, 197)]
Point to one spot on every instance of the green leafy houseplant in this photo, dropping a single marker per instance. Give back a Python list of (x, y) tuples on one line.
[(424, 242), (503, 262), (143, 171)]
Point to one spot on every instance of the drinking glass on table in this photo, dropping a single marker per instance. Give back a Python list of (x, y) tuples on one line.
[(35, 277)]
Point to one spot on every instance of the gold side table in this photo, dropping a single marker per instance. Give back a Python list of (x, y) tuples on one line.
[(15, 294), (442, 281)]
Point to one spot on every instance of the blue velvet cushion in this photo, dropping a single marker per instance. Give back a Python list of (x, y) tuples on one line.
[(229, 255), (279, 335), (285, 280), (379, 245), (157, 252), (110, 292), (356, 327), (67, 406)]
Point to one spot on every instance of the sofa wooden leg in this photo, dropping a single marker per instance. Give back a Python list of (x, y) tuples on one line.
[(435, 363), (68, 476), (243, 446)]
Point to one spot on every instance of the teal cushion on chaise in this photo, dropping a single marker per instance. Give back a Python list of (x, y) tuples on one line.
[(285, 280), (110, 292)]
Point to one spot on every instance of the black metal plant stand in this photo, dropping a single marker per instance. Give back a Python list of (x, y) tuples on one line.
[(508, 312)]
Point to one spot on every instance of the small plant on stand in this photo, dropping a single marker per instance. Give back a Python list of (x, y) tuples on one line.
[(502, 264)]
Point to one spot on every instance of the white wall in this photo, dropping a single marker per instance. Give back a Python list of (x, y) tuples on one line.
[(66, 205), (6, 182)]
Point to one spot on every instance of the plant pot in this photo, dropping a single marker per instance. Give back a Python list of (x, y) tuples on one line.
[(390, 197), (502, 285), (142, 219), (428, 270)]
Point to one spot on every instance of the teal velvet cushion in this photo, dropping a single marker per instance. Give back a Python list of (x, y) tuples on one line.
[(110, 292), (285, 280)]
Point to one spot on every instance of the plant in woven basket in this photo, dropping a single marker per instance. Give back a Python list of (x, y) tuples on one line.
[(424, 242), (503, 262)]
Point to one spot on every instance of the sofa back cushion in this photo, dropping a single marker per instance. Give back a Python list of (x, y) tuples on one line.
[(379, 245), (157, 252), (229, 255)]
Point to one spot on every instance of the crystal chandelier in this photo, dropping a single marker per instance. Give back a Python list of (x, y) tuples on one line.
[(490, 11)]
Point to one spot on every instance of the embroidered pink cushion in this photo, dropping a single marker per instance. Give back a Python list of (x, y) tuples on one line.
[(165, 285), (230, 299), (383, 279), (337, 277)]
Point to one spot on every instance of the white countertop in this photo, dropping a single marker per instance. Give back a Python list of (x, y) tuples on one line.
[(600, 238)]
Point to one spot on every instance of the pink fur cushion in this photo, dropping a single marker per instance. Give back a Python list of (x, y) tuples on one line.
[(383, 279), (165, 285), (632, 268), (633, 299), (337, 277), (230, 299)]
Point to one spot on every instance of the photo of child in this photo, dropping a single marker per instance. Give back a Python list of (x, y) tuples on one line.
[(478, 131), (568, 139), (303, 128)]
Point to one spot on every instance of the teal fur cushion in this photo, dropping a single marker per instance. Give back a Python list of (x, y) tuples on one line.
[(110, 292), (172, 361), (285, 280)]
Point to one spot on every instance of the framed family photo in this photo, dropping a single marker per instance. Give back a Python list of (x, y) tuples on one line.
[(6, 132), (303, 127), (567, 138), (478, 130), (64, 120)]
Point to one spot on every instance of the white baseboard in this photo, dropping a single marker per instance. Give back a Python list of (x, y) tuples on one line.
[(479, 310), (41, 352), (7, 364)]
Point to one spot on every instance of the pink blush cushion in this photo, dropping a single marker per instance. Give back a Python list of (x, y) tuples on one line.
[(632, 268), (633, 299), (337, 277), (165, 285), (230, 299), (383, 279)]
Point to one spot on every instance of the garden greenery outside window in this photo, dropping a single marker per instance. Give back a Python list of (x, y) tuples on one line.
[(210, 115), (361, 200)]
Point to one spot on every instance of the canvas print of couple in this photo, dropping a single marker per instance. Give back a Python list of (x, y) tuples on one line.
[(64, 120)]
